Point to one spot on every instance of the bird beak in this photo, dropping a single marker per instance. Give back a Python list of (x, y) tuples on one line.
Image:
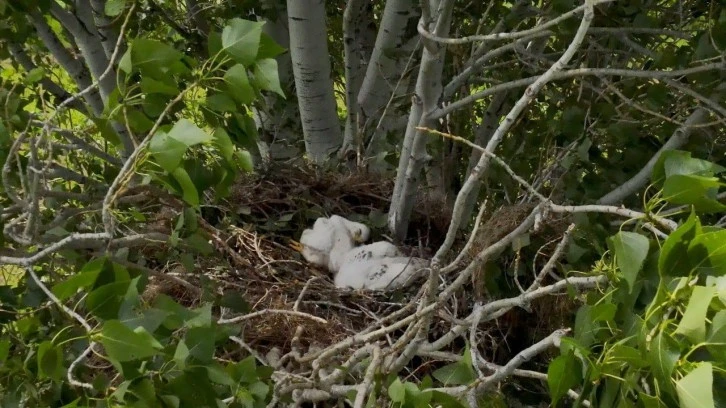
[(358, 239), (296, 245)]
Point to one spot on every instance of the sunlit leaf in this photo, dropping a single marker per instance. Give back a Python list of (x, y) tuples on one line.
[(695, 390), (114, 7), (241, 40), (693, 322), (267, 76), (630, 250)]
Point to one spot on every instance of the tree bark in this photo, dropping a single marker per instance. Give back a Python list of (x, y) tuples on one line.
[(359, 35), (311, 67), (413, 152)]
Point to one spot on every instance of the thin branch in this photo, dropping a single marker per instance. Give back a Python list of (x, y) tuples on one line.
[(512, 35), (271, 311), (528, 96), (573, 73)]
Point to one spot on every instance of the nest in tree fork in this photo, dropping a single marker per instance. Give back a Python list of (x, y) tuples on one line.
[(260, 272)]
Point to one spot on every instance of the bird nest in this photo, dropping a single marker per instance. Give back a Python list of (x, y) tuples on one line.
[(291, 303), (261, 275)]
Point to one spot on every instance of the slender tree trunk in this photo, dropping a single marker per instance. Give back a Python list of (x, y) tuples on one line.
[(311, 67), (359, 36), (413, 153)]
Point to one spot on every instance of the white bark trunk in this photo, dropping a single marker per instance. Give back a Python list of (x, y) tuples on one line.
[(428, 88), (358, 38), (311, 67), (74, 67), (83, 28)]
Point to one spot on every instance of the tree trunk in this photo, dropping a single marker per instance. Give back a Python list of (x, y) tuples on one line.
[(413, 152), (311, 67), (359, 36)]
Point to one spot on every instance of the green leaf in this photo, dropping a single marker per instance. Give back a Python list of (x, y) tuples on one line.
[(4, 351), (245, 371), (267, 77), (151, 86), (123, 344), (269, 48), (224, 144), (181, 354), (241, 40), (650, 401), (709, 249), (105, 301), (200, 341), (238, 85), (200, 317), (81, 280), (167, 151), (155, 58), (188, 133), (689, 189), (244, 159), (220, 103), (396, 391), (693, 322), (718, 328), (630, 250), (114, 7), (49, 361), (189, 191), (695, 390), (663, 355), (35, 75), (563, 373), (458, 373), (673, 258)]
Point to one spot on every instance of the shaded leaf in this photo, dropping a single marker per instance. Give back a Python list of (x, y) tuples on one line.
[(268, 47), (238, 85), (673, 258), (563, 373), (189, 191), (663, 355), (123, 344), (167, 151)]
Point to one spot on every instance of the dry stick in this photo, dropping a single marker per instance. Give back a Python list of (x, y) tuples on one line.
[(559, 250), (71, 380), (504, 127), (477, 223), (536, 375), (271, 311), (360, 397)]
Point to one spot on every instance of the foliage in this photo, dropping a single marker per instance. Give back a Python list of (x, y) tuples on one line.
[(655, 338), (103, 170)]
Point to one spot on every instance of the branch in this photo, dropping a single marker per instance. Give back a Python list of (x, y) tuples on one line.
[(271, 311), (640, 179), (71, 380), (513, 35), (572, 73), (529, 95)]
